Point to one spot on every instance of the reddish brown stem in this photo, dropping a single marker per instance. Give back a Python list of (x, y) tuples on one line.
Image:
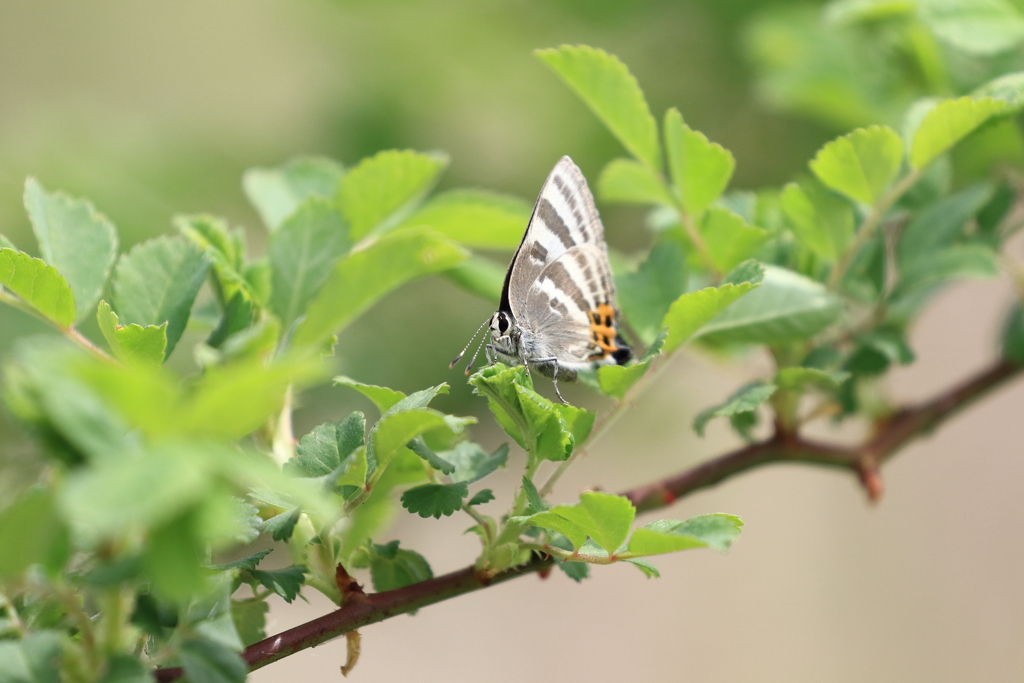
[(864, 460)]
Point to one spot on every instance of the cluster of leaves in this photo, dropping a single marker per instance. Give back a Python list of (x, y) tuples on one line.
[(107, 565)]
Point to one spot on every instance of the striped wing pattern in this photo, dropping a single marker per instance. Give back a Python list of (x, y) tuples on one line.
[(560, 274)]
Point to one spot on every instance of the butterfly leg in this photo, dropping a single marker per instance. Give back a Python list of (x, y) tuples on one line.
[(553, 361)]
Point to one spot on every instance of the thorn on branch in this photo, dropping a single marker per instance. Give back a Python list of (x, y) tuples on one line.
[(348, 587), (871, 479)]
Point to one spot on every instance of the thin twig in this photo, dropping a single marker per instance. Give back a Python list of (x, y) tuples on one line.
[(864, 460)]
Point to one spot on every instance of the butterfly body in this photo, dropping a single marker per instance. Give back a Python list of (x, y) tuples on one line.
[(557, 311)]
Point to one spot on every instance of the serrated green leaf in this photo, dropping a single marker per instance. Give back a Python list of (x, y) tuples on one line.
[(555, 522), (694, 310), (606, 86), (157, 282), (250, 617), (481, 497), (748, 271), (957, 261), (632, 182), (281, 526), (38, 285), (821, 221), (948, 123), (435, 500), (729, 239), (303, 251), (716, 531), (393, 432), (74, 238), (477, 218), (418, 399), (788, 379), (225, 250), (646, 294), (363, 277), (132, 343), (700, 169), (379, 192), (382, 397), (785, 307), (285, 582), (392, 567), (861, 164), (978, 27), (616, 380), (604, 517), (277, 192), (1009, 88), (746, 399), (206, 661), (247, 562), (32, 532), (648, 569), (480, 276), (940, 224), (326, 448), (472, 463)]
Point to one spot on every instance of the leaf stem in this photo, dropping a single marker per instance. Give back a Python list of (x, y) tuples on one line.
[(867, 228), (78, 338), (690, 226)]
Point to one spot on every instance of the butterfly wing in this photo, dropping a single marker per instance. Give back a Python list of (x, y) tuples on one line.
[(559, 286), (564, 217)]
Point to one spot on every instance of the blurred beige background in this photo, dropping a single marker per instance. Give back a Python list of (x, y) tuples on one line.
[(156, 108)]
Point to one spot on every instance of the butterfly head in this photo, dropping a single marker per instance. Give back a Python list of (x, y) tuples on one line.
[(505, 337)]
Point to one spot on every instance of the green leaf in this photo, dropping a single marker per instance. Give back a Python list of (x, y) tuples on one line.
[(940, 224), (32, 532), (157, 282), (748, 271), (481, 497), (363, 277), (821, 221), (616, 380), (631, 182), (978, 27), (132, 343), (861, 164), (1013, 335), (418, 399), (6, 243), (693, 310), (555, 522), (75, 239), (281, 525), (435, 500), (785, 307), (381, 190), (746, 399), (393, 432), (247, 562), (126, 669), (848, 12), (729, 239), (392, 567), (206, 661), (577, 571), (472, 463), (604, 517), (225, 250), (949, 122), (789, 379), (285, 582), (36, 658), (38, 285), (957, 261), (326, 448), (648, 569), (250, 617), (612, 93), (477, 218), (302, 253), (533, 498), (700, 169), (382, 397), (277, 192), (480, 276), (716, 531), (1009, 88), (646, 294)]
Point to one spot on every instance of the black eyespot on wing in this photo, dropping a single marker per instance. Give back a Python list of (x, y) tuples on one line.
[(607, 321), (622, 354)]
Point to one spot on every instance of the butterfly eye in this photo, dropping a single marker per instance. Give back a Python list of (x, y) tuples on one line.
[(502, 324)]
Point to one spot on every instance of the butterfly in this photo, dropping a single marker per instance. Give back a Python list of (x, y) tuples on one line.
[(557, 311)]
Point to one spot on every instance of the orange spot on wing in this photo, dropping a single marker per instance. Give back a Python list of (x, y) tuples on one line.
[(603, 331)]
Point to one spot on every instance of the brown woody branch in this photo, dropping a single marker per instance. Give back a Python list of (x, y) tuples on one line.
[(891, 435)]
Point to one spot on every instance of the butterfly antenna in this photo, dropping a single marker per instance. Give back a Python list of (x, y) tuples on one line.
[(477, 353), (466, 347)]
